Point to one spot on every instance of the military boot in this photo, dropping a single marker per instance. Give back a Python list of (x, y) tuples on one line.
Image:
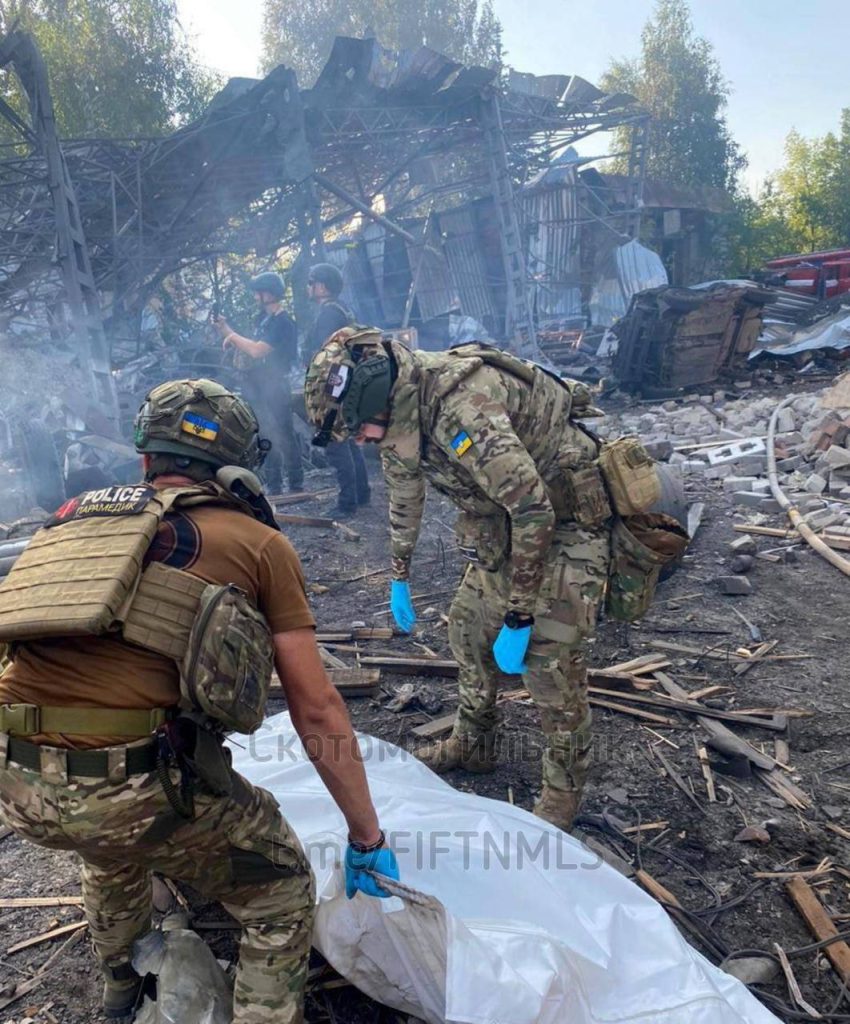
[(473, 754), (558, 806), (121, 990)]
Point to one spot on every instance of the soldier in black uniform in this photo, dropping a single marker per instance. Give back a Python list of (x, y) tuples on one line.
[(324, 284), (270, 360)]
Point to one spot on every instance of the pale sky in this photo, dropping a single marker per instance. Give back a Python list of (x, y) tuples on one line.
[(786, 60)]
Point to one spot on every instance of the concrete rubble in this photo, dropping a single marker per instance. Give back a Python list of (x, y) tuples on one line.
[(718, 441)]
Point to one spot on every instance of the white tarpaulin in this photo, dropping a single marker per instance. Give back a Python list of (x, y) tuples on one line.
[(511, 921)]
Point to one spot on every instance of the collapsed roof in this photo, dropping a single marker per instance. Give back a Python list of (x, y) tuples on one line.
[(270, 165)]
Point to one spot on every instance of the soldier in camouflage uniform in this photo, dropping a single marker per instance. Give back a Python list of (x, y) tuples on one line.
[(502, 439), (79, 768)]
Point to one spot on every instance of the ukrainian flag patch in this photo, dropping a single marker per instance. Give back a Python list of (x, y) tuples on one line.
[(461, 443), (197, 426)]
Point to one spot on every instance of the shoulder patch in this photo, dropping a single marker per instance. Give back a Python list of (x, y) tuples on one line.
[(461, 443), (107, 501)]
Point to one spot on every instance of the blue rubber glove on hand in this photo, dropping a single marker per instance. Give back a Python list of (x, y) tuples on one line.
[(401, 605), (510, 647), (357, 866)]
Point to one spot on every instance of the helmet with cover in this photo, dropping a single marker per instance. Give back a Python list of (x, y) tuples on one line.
[(348, 383), (202, 420)]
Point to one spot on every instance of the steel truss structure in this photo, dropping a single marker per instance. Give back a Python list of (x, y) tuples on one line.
[(392, 138)]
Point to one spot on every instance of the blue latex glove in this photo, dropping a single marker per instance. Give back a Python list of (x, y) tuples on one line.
[(358, 864), (401, 605), (510, 647)]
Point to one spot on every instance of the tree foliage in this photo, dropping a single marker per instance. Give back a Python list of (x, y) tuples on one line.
[(300, 35), (804, 206), (116, 67), (677, 78)]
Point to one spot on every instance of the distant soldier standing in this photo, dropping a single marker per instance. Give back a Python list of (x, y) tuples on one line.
[(146, 620), (501, 438), (324, 284), (267, 363)]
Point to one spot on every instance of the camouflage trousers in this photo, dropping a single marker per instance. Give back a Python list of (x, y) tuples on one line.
[(565, 614), (238, 850)]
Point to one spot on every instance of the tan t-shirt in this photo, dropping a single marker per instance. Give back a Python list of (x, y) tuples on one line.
[(220, 545)]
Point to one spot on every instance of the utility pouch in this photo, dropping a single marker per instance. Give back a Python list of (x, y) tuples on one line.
[(227, 669), (641, 545), (483, 540), (630, 474), (586, 497)]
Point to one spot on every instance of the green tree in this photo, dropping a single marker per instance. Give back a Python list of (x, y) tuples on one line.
[(301, 35), (116, 67), (677, 78)]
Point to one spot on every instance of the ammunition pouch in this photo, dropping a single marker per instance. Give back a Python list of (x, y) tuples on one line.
[(483, 540), (585, 498), (641, 545), (630, 474)]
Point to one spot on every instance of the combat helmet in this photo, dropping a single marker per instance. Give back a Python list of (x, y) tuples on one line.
[(348, 382), (200, 419)]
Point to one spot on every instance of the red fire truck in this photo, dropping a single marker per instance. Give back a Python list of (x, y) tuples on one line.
[(822, 274)]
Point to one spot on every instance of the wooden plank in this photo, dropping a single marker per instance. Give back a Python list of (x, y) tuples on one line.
[(41, 901), (690, 707), (761, 652), (350, 681), (782, 751), (624, 709), (705, 765), (656, 889), (820, 925), (330, 660), (355, 682), (437, 727), (724, 739), (838, 830), (54, 933), (414, 666)]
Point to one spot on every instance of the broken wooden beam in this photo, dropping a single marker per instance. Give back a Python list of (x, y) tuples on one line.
[(820, 925), (691, 707), (54, 933)]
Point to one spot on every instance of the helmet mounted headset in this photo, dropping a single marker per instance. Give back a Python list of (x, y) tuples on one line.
[(360, 392)]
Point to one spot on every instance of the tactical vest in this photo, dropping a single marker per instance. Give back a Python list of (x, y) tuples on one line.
[(83, 574)]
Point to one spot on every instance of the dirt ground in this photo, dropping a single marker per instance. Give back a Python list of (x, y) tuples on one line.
[(802, 604)]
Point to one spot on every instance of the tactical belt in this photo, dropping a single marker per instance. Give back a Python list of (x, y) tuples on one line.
[(32, 719), (91, 763)]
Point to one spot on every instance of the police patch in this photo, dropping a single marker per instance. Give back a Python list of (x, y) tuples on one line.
[(196, 425), (461, 443), (107, 501), (337, 382)]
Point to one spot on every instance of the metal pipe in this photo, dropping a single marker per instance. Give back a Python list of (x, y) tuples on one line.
[(803, 528)]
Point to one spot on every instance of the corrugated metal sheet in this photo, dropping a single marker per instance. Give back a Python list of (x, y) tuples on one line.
[(467, 264), (550, 209), (627, 270)]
